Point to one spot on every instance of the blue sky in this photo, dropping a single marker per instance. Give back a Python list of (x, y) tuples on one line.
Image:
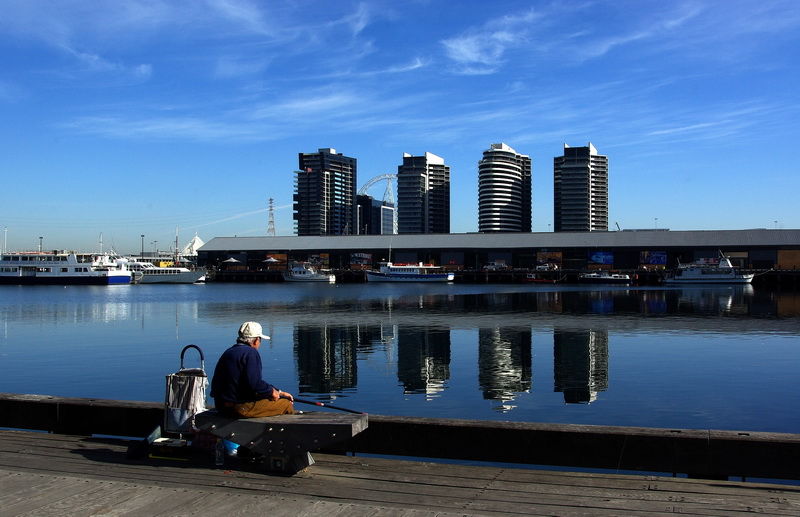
[(143, 116)]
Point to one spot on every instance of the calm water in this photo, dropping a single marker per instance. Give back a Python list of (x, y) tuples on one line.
[(700, 357)]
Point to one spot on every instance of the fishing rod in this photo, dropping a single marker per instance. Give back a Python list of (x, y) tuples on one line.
[(321, 404)]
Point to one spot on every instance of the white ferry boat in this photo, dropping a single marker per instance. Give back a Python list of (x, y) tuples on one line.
[(59, 269), (305, 272), (721, 272), (391, 272), (603, 277), (148, 273)]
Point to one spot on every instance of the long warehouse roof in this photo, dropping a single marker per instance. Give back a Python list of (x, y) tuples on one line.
[(653, 239)]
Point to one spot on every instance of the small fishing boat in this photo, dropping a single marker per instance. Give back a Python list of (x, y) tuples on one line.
[(391, 272), (604, 277), (707, 272), (305, 272), (533, 278)]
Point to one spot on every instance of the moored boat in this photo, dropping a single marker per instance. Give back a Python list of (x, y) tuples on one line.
[(604, 277), (391, 272), (706, 272), (533, 278), (148, 273), (59, 268), (305, 272)]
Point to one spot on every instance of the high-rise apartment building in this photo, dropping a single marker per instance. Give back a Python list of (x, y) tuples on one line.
[(423, 195), (325, 194), (375, 217), (504, 191), (580, 190)]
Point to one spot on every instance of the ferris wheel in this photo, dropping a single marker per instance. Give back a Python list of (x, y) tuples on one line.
[(388, 194)]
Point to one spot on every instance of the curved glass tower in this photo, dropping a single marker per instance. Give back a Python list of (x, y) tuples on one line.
[(504, 191)]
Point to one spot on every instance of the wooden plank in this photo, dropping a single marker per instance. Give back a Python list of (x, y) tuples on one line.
[(100, 498), (699, 453), (356, 485), (51, 489), (155, 500)]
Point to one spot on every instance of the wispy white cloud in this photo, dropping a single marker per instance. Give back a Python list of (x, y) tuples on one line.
[(359, 19), (164, 128), (239, 66), (415, 64), (720, 120), (246, 15), (233, 218), (482, 51), (97, 64), (685, 129)]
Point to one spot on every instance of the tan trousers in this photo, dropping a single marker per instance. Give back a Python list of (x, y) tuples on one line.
[(260, 408)]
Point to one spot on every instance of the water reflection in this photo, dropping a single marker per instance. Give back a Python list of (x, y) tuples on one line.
[(536, 353), (504, 364), (580, 364), (417, 330), (423, 359), (326, 358)]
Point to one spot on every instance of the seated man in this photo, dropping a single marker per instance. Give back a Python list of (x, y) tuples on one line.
[(237, 387)]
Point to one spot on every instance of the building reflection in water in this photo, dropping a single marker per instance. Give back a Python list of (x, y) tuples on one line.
[(326, 358), (580, 363), (423, 359), (504, 364), (413, 336)]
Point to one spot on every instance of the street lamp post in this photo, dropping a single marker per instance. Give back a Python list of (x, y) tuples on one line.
[(142, 245)]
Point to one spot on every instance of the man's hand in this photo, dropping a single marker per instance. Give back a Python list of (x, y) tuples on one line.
[(278, 394)]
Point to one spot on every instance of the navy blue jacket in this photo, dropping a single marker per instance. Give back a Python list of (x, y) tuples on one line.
[(237, 376)]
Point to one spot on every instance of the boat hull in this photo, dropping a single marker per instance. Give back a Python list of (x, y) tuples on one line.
[(185, 277), (605, 281), (65, 280), (328, 279), (536, 279), (705, 281), (375, 276)]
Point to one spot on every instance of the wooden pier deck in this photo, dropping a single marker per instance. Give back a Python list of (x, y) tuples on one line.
[(55, 474)]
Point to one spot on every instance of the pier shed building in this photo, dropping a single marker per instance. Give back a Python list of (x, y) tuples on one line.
[(648, 249)]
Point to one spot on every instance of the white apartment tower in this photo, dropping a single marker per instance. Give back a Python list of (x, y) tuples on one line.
[(580, 190), (504, 191)]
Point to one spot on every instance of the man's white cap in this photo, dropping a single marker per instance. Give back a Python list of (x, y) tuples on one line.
[(251, 329)]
